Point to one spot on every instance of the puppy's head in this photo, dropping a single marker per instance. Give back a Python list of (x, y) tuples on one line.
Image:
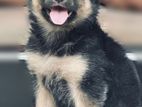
[(63, 14)]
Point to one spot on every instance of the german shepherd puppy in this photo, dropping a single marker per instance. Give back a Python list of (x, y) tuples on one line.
[(75, 62)]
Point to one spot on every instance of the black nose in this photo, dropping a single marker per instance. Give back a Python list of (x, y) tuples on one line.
[(58, 1)]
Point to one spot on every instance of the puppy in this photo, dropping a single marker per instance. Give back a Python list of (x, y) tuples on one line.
[(75, 62)]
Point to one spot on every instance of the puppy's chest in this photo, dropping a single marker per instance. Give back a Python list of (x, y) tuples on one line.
[(70, 68), (64, 75)]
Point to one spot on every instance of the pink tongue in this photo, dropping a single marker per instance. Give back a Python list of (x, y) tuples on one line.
[(59, 17)]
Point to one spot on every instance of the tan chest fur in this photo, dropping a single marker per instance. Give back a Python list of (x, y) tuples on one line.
[(70, 68)]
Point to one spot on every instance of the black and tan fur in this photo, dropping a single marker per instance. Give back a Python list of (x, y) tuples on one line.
[(77, 64)]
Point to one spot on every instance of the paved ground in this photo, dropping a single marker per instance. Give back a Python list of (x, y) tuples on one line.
[(16, 85)]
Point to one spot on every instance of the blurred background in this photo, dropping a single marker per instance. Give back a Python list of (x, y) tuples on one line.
[(121, 19)]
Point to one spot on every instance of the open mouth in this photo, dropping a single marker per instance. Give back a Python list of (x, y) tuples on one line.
[(59, 14)]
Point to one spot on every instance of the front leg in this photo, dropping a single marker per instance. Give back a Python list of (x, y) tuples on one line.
[(43, 97)]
